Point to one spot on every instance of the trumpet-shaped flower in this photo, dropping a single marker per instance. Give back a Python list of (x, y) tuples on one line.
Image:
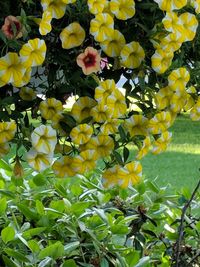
[(63, 167), (163, 97), (161, 60), (195, 111), (136, 125), (190, 102), (82, 107), (110, 177), (161, 143), (11, 68), (12, 28), (122, 9), (178, 79), (130, 174), (169, 5), (101, 27), (44, 139), (104, 89), (132, 55), (109, 127), (116, 104), (144, 149), (196, 5), (96, 6), (25, 78), (45, 23), (172, 23), (160, 122), (27, 94), (101, 113), (89, 61), (33, 52), (7, 131), (189, 23), (39, 161), (55, 7), (72, 36), (172, 42), (178, 101), (114, 44), (81, 134), (50, 107), (68, 1), (85, 161)]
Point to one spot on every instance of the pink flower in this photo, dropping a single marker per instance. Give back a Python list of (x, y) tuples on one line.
[(89, 60), (12, 27)]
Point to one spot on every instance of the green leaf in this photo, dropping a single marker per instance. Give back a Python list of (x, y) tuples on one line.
[(33, 245), (69, 263), (71, 247), (16, 255), (125, 154), (7, 234), (39, 207), (118, 157), (132, 258), (54, 251), (119, 229), (3, 205), (104, 263), (5, 166), (32, 232), (144, 262), (39, 180), (122, 133), (9, 262), (28, 213)]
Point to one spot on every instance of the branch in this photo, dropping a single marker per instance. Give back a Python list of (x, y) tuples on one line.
[(181, 228)]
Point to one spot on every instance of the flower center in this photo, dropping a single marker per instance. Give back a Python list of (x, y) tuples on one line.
[(14, 28), (89, 60)]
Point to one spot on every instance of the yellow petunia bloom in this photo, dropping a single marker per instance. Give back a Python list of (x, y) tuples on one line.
[(114, 44), (72, 36), (33, 52), (27, 94), (104, 89), (172, 42), (161, 143), (161, 60), (101, 27), (101, 113), (50, 107), (63, 167), (195, 111), (102, 144), (110, 176), (178, 79), (11, 68), (136, 125), (25, 78), (109, 127), (172, 23), (122, 9), (39, 161), (68, 1), (196, 5), (44, 139), (169, 5), (116, 103), (7, 131), (190, 102), (189, 23), (160, 122), (96, 6), (45, 23), (132, 55), (85, 161), (130, 174), (55, 7), (144, 149), (163, 97), (81, 134), (82, 107), (178, 101)]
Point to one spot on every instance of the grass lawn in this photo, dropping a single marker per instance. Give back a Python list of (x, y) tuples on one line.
[(180, 164)]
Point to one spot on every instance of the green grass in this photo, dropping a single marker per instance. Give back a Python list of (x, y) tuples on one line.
[(180, 164)]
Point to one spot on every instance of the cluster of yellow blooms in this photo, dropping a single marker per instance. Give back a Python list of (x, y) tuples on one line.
[(87, 142)]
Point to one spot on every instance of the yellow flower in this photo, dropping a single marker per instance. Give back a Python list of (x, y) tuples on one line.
[(122, 9), (101, 27), (144, 149), (178, 101), (162, 142), (189, 102), (136, 125), (25, 78), (132, 55), (172, 23), (85, 161), (45, 23), (109, 127), (11, 68), (130, 174), (27, 94), (101, 113), (7, 131), (163, 97), (161, 60), (110, 176), (104, 89), (189, 23), (50, 107), (82, 107), (116, 103), (195, 111), (171, 42), (96, 6), (195, 4), (81, 134), (63, 167), (44, 139), (178, 79), (72, 36), (68, 1), (168, 5), (160, 122), (55, 7), (4, 149), (39, 161), (33, 52), (102, 144), (114, 44)]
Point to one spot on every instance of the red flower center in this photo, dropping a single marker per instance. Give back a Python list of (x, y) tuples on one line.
[(14, 25), (89, 60)]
